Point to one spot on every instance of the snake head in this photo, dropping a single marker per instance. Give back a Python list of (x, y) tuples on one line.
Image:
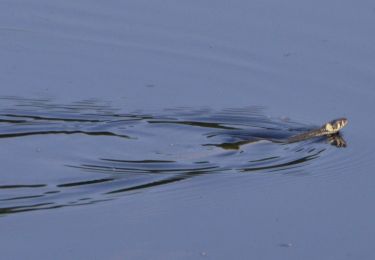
[(335, 125)]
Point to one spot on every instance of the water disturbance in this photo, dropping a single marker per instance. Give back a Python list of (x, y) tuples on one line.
[(88, 152)]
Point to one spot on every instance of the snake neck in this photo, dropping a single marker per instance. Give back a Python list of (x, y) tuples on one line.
[(307, 135)]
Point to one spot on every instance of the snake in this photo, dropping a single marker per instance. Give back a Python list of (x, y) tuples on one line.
[(330, 130)]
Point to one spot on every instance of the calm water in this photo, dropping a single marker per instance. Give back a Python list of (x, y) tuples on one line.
[(155, 130)]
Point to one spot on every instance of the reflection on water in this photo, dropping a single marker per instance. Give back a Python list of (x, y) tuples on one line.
[(95, 153)]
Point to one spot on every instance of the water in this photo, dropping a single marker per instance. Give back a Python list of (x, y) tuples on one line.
[(154, 130), (110, 154)]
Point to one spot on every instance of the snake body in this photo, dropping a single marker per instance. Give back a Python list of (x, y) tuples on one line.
[(329, 129)]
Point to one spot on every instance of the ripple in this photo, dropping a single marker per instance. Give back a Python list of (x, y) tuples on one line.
[(87, 152)]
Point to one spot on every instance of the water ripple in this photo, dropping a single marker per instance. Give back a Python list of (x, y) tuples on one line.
[(87, 152)]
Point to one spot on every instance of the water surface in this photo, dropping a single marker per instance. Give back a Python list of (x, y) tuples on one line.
[(85, 152), (125, 129)]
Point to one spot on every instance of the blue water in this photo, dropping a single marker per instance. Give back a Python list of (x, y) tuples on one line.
[(94, 154), (122, 129)]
